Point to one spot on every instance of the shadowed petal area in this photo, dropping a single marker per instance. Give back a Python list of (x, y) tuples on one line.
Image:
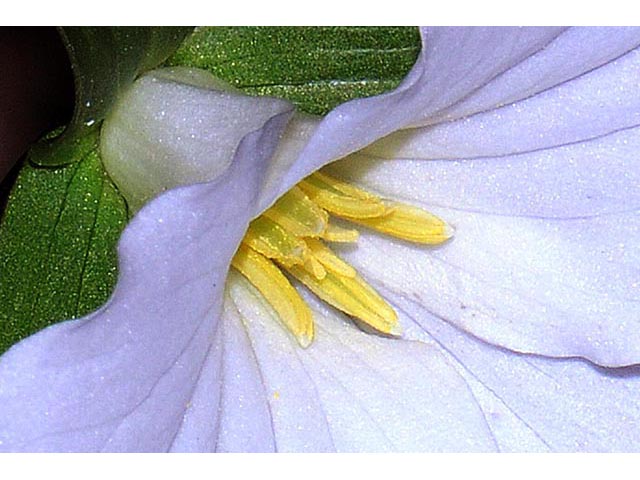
[(349, 391), (122, 378), (555, 405)]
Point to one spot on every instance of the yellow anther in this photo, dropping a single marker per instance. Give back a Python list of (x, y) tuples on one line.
[(293, 312), (299, 215), (291, 233), (409, 223), (328, 259), (333, 233), (340, 198), (271, 240), (353, 296)]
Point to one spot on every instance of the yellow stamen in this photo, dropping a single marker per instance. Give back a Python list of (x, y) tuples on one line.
[(353, 296), (409, 223), (295, 212), (291, 233), (340, 198), (314, 267), (340, 186), (293, 312), (271, 240)]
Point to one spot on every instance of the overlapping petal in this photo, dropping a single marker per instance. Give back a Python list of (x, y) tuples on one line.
[(461, 72), (454, 64)]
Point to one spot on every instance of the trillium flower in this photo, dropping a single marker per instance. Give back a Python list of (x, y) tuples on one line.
[(520, 334)]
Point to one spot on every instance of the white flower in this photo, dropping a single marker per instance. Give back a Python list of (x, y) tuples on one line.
[(512, 329)]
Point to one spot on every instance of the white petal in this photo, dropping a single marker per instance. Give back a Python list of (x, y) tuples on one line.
[(122, 378), (459, 63), (241, 421), (350, 391), (554, 288), (547, 247), (565, 405)]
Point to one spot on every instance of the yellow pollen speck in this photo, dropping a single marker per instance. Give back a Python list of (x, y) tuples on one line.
[(291, 235)]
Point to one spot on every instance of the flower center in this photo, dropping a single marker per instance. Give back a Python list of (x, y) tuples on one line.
[(293, 234)]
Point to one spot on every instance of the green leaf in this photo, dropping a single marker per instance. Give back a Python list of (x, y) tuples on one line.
[(60, 228), (104, 60), (316, 68), (57, 243)]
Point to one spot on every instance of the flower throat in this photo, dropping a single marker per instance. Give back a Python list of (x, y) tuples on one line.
[(293, 234)]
